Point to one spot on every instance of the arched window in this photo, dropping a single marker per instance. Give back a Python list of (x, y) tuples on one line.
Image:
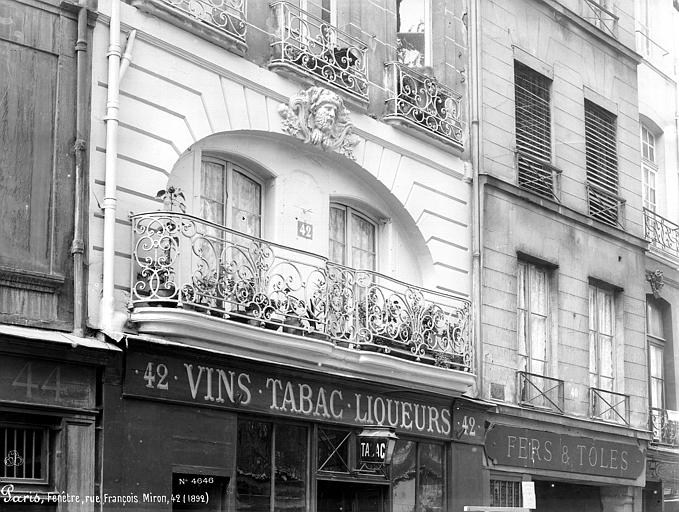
[(352, 238), (230, 196)]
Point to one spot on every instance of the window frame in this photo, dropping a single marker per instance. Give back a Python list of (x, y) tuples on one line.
[(595, 334), (427, 59), (444, 470), (349, 211), (656, 341), (527, 353), (45, 454), (649, 167), (229, 168)]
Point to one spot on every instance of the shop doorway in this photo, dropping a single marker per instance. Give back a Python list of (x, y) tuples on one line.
[(335, 496)]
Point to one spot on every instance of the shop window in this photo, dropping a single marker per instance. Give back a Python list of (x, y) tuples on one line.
[(333, 450), (649, 168), (413, 32), (25, 454), (505, 493), (271, 461), (230, 196), (418, 477), (601, 161), (533, 130), (352, 238)]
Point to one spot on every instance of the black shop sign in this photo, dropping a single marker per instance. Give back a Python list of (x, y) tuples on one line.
[(537, 449)]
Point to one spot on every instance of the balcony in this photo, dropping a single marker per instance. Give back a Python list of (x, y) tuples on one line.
[(609, 406), (540, 392), (422, 102), (190, 266), (601, 17), (605, 206), (309, 47), (665, 426), (221, 21), (537, 175), (662, 233)]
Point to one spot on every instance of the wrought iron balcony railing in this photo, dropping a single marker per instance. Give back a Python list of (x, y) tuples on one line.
[(665, 426), (601, 17), (540, 391), (661, 232), (227, 17), (605, 206), (423, 102), (182, 261), (307, 45), (537, 175), (609, 406)]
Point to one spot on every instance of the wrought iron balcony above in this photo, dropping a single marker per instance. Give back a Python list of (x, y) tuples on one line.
[(540, 392), (601, 17), (181, 261), (315, 49), (665, 426), (661, 232), (609, 406), (421, 101), (221, 21)]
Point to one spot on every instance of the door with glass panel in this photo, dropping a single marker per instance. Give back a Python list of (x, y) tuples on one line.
[(533, 328), (656, 345), (353, 286), (231, 202)]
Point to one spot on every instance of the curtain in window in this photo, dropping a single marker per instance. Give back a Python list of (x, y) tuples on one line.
[(213, 191), (362, 243), (601, 321), (246, 206), (338, 228)]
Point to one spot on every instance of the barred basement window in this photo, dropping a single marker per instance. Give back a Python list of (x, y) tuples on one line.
[(602, 165), (24, 454), (505, 493), (533, 131)]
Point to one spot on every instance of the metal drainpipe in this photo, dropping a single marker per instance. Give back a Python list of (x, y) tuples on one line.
[(110, 200), (477, 225), (80, 148)]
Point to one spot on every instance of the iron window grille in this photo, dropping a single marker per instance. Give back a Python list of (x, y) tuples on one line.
[(24, 454), (505, 493), (601, 159), (533, 131)]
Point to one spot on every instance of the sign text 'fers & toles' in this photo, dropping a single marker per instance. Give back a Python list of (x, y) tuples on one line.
[(526, 448), (248, 389)]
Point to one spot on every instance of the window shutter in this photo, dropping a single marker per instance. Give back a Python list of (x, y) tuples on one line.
[(602, 164), (533, 130)]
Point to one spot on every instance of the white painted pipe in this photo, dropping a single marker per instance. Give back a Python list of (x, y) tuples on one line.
[(109, 205)]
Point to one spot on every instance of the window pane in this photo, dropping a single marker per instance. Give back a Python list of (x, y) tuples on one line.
[(411, 28), (246, 205), (403, 472), (333, 450), (253, 478), (654, 323), (337, 230), (431, 478), (605, 312), (363, 243), (656, 362), (290, 468), (605, 356), (213, 176), (538, 338)]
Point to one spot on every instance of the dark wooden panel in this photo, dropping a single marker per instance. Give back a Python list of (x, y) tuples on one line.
[(37, 132)]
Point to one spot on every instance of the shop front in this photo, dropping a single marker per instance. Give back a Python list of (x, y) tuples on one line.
[(49, 412), (197, 430), (572, 469)]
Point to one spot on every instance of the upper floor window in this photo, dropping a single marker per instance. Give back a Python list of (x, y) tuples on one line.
[(325, 10), (601, 161), (649, 168), (230, 196), (352, 238), (656, 346), (413, 28), (533, 317), (601, 338), (533, 130)]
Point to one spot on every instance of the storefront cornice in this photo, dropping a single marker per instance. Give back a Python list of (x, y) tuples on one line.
[(194, 330)]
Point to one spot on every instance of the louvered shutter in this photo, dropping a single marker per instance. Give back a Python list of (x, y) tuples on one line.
[(533, 130), (602, 164)]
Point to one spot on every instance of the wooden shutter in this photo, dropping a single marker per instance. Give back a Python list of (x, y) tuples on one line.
[(601, 163), (533, 130)]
